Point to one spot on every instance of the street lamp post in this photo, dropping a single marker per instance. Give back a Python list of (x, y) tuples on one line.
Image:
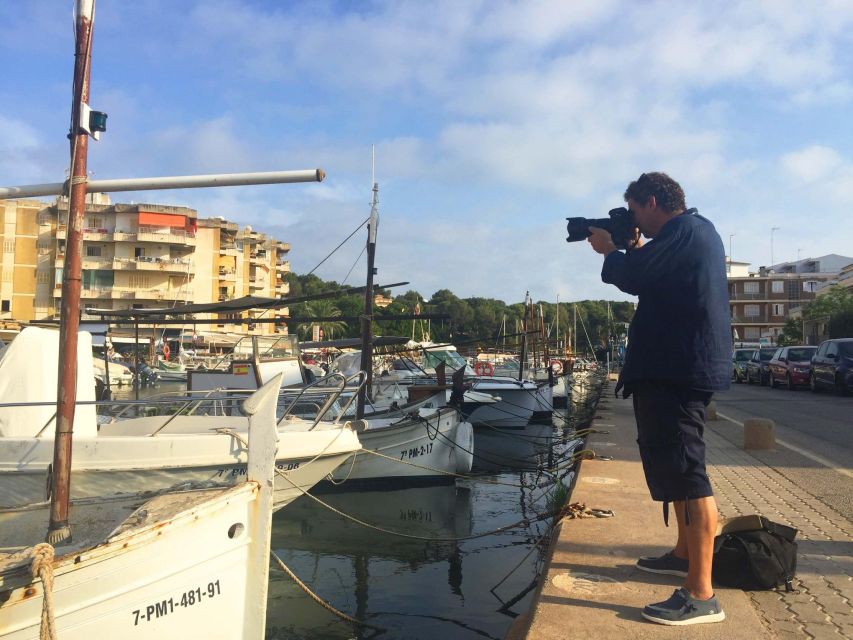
[(772, 258), (731, 235)]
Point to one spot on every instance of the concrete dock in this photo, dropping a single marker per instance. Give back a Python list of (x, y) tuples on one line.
[(591, 588)]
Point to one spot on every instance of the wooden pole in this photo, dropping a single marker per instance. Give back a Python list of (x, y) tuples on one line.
[(59, 529), (367, 318)]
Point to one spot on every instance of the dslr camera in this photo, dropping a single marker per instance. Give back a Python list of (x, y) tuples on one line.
[(620, 225)]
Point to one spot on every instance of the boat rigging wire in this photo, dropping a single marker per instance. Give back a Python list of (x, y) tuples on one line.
[(366, 220)]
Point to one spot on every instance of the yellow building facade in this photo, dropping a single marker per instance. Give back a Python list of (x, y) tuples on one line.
[(136, 256)]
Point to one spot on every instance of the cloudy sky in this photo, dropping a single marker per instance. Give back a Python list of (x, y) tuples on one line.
[(492, 122)]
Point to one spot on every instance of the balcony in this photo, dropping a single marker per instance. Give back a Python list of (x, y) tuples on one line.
[(92, 262), (229, 275), (228, 250), (165, 236), (143, 263), (283, 266), (763, 318), (124, 236)]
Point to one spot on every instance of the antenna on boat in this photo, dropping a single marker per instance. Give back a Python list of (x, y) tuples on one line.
[(367, 318)]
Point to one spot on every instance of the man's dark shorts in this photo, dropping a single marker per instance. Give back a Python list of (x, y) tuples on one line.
[(670, 425)]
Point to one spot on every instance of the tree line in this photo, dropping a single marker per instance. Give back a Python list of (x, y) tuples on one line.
[(485, 321)]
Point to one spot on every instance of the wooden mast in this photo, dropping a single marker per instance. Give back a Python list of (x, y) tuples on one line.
[(59, 529)]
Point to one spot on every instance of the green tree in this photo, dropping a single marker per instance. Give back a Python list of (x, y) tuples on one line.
[(792, 333), (322, 309)]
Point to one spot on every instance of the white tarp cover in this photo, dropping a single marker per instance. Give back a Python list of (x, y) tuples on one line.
[(348, 363), (28, 373)]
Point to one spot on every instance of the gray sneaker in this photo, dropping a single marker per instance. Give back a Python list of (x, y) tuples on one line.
[(681, 609), (668, 564)]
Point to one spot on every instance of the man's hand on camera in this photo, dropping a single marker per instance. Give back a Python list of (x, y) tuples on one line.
[(601, 241), (637, 241)]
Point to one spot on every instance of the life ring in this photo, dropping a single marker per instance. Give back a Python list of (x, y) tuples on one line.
[(556, 367), (484, 369), (166, 351)]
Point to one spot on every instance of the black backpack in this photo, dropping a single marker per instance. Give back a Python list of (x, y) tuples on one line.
[(753, 553)]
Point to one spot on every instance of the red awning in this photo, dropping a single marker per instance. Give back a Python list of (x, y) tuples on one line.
[(151, 219)]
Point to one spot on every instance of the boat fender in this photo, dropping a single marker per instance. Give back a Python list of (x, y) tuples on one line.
[(464, 449), (556, 367)]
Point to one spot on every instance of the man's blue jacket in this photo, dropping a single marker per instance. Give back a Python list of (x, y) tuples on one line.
[(681, 331)]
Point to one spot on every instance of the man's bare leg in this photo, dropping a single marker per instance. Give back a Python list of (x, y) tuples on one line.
[(699, 539)]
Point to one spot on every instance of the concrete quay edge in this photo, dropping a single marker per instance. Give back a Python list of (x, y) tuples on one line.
[(590, 587)]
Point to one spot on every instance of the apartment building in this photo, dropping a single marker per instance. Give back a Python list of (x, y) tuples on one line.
[(24, 267), (136, 256), (762, 302)]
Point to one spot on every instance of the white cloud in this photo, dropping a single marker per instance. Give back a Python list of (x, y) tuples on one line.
[(813, 163)]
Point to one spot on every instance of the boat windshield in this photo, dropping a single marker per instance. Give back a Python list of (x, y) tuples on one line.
[(451, 358)]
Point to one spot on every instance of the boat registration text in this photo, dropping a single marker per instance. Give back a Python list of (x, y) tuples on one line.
[(185, 600)]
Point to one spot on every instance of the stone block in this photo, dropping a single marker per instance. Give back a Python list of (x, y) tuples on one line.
[(759, 433)]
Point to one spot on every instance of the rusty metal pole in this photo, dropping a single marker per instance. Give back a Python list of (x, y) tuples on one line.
[(367, 318), (59, 529)]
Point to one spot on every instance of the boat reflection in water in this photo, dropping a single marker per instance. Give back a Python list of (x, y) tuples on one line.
[(459, 585)]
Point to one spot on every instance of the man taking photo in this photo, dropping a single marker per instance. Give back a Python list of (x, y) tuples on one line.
[(679, 354)]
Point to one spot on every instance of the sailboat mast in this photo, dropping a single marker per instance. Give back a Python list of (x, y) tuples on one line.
[(367, 318), (59, 529)]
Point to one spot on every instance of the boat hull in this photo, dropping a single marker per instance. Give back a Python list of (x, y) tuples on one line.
[(106, 465), (142, 582), (428, 447)]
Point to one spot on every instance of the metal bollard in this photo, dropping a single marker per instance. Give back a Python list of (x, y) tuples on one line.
[(759, 433), (711, 411)]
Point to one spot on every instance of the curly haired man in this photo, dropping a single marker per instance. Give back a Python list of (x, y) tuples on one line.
[(679, 354)]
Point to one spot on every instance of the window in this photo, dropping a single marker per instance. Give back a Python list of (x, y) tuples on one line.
[(93, 251), (832, 350), (778, 286), (43, 277), (751, 333), (9, 246), (7, 275), (138, 252), (778, 309), (751, 310), (139, 281), (810, 285), (750, 287), (6, 305), (96, 222)]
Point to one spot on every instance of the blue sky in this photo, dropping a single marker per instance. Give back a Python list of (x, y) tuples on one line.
[(492, 122)]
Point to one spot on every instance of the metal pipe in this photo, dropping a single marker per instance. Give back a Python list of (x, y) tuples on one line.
[(168, 182)]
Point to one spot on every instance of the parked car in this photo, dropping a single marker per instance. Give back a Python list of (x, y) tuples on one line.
[(791, 366), (756, 366), (739, 359), (832, 366)]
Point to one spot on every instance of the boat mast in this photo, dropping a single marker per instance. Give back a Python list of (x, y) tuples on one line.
[(59, 529), (367, 318)]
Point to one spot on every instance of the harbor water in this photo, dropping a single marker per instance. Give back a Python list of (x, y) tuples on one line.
[(452, 559)]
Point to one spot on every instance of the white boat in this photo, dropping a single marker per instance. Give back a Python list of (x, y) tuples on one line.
[(119, 374), (427, 445), (171, 371), (147, 453), (129, 572)]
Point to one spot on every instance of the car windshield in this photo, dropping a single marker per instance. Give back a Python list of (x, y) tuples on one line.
[(742, 355), (767, 354), (846, 349), (802, 354)]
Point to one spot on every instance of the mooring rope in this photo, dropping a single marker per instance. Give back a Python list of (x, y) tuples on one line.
[(318, 599), (519, 523), (42, 568)]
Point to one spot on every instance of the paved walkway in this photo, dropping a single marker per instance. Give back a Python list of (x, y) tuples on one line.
[(591, 588)]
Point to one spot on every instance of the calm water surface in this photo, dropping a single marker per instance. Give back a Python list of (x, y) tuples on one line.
[(450, 587)]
